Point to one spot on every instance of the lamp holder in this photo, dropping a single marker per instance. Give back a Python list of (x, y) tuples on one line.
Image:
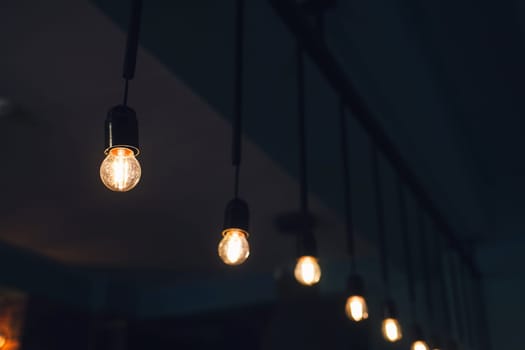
[(121, 129), (390, 309), (417, 332), (356, 285), (435, 342), (452, 345), (306, 244), (237, 215)]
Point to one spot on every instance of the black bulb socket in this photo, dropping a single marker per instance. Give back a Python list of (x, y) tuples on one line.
[(435, 342), (121, 129), (390, 309), (356, 285), (417, 332), (452, 345), (237, 216), (307, 245)]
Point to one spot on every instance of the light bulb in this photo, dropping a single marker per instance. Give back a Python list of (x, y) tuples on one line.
[(356, 308), (307, 270), (234, 248), (120, 171), (4, 338), (419, 345), (391, 330)]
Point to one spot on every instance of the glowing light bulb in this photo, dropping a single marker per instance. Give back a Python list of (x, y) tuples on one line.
[(234, 248), (391, 330), (419, 345), (307, 271), (356, 308), (4, 338), (120, 171)]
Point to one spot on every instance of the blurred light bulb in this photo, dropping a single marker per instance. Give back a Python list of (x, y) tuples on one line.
[(4, 338), (234, 248), (120, 171), (391, 330), (356, 308), (419, 345), (307, 271)]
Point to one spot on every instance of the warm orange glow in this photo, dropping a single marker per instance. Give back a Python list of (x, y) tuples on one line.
[(391, 330), (356, 308), (120, 171), (307, 271), (234, 248), (419, 345), (3, 341)]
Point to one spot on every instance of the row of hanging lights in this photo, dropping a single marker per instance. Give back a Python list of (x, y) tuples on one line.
[(120, 171)]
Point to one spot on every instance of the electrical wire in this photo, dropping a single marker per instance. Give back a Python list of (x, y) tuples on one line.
[(406, 250), (238, 103), (380, 218), (425, 263), (456, 298), (347, 186), (302, 132), (447, 316)]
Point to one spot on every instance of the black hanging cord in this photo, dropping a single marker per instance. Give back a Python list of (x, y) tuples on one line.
[(456, 298), (125, 99), (443, 287), (407, 251), (302, 132), (239, 70), (466, 310), (132, 43), (425, 262), (346, 186), (380, 218)]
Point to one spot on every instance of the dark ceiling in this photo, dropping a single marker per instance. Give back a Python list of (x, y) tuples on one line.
[(443, 78)]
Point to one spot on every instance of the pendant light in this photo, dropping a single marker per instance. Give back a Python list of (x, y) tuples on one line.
[(356, 308), (419, 342), (463, 280), (234, 248), (307, 270), (417, 339), (120, 171), (390, 326), (435, 342), (447, 316), (456, 299)]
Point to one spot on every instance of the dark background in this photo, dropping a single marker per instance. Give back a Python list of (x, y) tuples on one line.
[(443, 79)]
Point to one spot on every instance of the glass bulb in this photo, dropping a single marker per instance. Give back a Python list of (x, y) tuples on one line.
[(356, 308), (419, 345), (391, 330), (120, 171), (307, 270), (234, 248), (3, 339)]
